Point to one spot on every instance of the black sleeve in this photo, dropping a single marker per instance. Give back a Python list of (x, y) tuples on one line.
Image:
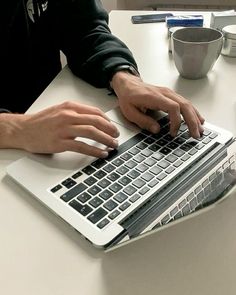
[(92, 51)]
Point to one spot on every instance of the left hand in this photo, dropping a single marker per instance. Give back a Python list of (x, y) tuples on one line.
[(136, 97)]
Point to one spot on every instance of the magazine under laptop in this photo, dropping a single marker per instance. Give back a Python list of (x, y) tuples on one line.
[(204, 182)]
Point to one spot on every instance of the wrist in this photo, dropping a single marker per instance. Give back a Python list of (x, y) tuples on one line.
[(11, 127), (117, 71), (121, 79)]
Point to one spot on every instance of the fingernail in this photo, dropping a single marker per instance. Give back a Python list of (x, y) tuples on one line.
[(104, 154), (154, 129), (116, 133), (115, 143)]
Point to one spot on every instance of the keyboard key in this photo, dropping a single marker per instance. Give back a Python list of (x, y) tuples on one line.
[(120, 197), (130, 190), (161, 176), (114, 214), (134, 198), (163, 164), (115, 187), (171, 158), (100, 174), (131, 164), (97, 215), (56, 188), (162, 142), (118, 162), (95, 202), (146, 153), (178, 153), (144, 190), (82, 209), (124, 206), (153, 183), (158, 156), (110, 205), (149, 140), (139, 158), (139, 183), (165, 151), (113, 176), (169, 170), (193, 151), (106, 194), (109, 168), (178, 163), (122, 170), (84, 197), (185, 157), (179, 140), (99, 163), (90, 180), (126, 156), (150, 162), (77, 175), (155, 170), (133, 174), (185, 147), (147, 176), (142, 167), (88, 170), (103, 223), (76, 190), (124, 180), (213, 135), (134, 151), (104, 183), (68, 183), (154, 147), (94, 190), (141, 145)]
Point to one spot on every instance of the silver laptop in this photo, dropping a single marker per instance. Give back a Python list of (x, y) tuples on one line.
[(148, 183)]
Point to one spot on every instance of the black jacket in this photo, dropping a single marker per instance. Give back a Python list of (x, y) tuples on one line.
[(33, 33)]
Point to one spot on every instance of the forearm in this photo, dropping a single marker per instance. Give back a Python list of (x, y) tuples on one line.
[(11, 126), (92, 51)]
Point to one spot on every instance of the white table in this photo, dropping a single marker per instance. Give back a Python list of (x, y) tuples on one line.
[(41, 255)]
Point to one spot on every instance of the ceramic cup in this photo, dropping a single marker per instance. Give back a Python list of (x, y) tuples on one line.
[(195, 50)]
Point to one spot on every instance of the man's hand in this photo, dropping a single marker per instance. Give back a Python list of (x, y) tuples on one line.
[(58, 129), (136, 97)]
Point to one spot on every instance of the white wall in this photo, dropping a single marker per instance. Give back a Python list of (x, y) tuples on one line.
[(109, 4)]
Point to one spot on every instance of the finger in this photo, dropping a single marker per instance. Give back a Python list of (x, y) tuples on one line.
[(84, 148), (202, 120), (98, 122), (189, 113), (83, 109), (91, 132), (169, 106), (174, 117), (141, 119)]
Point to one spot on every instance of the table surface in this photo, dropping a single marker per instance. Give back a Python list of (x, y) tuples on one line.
[(40, 254)]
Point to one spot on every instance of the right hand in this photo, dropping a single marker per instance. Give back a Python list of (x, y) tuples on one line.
[(60, 127)]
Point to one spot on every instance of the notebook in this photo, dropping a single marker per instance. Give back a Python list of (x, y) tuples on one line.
[(149, 183)]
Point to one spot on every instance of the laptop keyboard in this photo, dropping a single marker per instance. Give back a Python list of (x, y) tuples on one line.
[(114, 184)]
